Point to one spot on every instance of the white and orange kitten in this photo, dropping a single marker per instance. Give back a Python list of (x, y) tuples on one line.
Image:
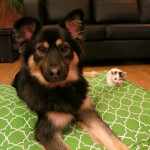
[(115, 77)]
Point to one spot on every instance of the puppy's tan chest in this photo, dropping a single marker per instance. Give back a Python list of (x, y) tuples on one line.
[(60, 119)]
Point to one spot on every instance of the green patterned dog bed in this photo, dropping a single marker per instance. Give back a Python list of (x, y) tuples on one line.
[(126, 110)]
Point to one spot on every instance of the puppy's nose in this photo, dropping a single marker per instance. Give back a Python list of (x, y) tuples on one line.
[(54, 73)]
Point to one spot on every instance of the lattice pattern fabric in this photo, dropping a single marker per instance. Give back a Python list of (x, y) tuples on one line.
[(126, 110)]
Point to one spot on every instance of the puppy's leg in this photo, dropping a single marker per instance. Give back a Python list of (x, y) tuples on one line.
[(97, 128), (49, 130)]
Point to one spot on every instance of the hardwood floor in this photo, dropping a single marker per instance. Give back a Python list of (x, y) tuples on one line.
[(8, 71), (138, 74)]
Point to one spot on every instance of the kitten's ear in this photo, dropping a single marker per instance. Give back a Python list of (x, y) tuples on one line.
[(124, 74), (112, 72), (26, 28), (74, 24)]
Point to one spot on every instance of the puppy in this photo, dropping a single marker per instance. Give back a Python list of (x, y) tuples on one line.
[(51, 82)]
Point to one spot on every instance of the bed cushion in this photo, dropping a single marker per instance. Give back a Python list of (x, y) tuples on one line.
[(126, 110)]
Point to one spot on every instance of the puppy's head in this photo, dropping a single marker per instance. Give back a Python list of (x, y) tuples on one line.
[(52, 53)]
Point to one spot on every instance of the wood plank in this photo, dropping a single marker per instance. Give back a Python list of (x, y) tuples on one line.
[(8, 71)]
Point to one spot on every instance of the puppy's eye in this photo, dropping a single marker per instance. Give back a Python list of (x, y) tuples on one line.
[(41, 49), (64, 48)]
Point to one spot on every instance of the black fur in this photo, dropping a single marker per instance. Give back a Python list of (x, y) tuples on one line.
[(43, 98), (51, 83)]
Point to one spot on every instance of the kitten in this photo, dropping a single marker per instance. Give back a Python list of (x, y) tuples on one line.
[(115, 77)]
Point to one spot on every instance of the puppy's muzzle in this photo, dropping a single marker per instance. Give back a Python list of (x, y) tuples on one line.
[(56, 74)]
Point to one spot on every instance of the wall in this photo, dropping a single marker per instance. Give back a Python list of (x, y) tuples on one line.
[(7, 16)]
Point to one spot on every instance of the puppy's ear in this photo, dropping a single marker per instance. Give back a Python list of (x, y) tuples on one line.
[(74, 24), (26, 28)]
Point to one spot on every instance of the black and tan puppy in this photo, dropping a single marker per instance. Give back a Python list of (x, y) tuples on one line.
[(51, 82)]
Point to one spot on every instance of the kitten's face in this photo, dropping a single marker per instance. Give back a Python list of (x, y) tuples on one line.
[(118, 77)]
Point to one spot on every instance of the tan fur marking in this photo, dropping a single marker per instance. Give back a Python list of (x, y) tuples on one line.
[(72, 74), (101, 136), (59, 42), (60, 119), (87, 104), (46, 44), (98, 130), (107, 139), (73, 69), (35, 71)]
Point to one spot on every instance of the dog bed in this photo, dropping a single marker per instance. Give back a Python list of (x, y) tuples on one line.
[(126, 110)]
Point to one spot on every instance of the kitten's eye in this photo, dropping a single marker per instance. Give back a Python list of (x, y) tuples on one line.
[(115, 79), (41, 49), (64, 48), (120, 79)]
